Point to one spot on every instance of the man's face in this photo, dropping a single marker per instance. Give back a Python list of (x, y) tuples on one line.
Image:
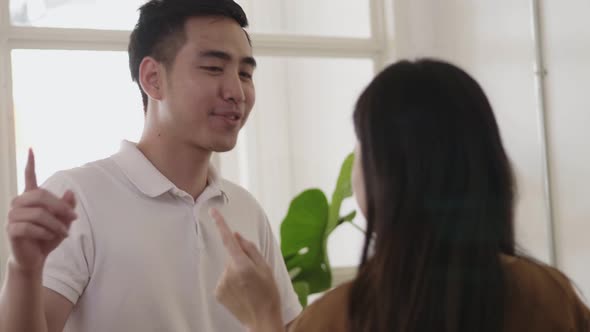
[(208, 90)]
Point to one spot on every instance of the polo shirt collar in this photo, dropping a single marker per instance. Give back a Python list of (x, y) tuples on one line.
[(148, 179), (214, 182)]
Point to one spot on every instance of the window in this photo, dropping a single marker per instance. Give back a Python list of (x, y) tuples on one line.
[(65, 87), (79, 118), (79, 14), (348, 18)]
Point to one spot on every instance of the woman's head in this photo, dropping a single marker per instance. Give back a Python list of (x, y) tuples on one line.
[(429, 145), (434, 182)]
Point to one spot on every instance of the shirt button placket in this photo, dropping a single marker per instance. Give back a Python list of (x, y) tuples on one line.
[(198, 227)]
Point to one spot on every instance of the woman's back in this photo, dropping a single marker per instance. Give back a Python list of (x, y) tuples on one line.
[(538, 298)]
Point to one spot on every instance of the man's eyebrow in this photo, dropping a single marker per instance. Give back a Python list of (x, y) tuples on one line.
[(215, 54), (227, 57), (249, 61)]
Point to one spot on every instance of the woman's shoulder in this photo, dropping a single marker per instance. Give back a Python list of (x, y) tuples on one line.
[(529, 275), (328, 313), (542, 295)]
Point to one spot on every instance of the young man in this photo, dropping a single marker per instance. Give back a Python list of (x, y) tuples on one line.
[(126, 243)]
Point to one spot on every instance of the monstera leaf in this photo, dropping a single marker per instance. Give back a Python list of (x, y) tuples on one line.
[(302, 240), (305, 231), (302, 290), (342, 191)]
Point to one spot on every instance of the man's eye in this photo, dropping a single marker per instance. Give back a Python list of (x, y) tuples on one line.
[(246, 75), (212, 69)]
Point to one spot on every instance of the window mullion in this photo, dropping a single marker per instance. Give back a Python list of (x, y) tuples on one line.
[(7, 146), (74, 39), (290, 45), (382, 17), (4, 16), (264, 44)]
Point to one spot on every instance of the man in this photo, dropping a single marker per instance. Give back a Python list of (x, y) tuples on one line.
[(126, 243)]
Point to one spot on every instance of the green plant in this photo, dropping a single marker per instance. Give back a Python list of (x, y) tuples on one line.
[(305, 231)]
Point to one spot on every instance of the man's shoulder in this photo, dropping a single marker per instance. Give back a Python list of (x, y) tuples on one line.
[(89, 174)]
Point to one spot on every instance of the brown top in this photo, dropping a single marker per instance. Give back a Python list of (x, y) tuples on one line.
[(540, 299)]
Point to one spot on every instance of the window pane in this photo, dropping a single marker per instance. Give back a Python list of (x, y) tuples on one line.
[(341, 18), (298, 135), (348, 18), (72, 107), (83, 14)]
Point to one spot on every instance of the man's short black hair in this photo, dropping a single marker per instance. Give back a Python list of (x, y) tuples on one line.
[(160, 33)]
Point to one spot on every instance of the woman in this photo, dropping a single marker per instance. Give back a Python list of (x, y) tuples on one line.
[(433, 180)]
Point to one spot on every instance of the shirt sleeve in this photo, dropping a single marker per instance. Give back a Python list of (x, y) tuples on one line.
[(69, 266), (291, 307)]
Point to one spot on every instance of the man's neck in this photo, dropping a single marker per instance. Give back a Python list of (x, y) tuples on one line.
[(185, 166)]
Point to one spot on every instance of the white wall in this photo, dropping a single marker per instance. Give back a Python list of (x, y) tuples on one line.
[(493, 41), (567, 45)]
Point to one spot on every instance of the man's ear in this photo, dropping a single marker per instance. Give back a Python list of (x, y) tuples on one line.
[(150, 77)]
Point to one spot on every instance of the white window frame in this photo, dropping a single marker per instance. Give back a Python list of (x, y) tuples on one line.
[(379, 48)]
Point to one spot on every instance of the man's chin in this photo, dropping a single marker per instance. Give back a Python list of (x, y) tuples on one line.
[(223, 146), (222, 149)]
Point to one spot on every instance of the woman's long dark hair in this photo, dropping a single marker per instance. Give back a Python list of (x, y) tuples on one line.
[(440, 195)]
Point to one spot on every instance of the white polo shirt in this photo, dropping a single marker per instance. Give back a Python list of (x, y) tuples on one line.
[(144, 256)]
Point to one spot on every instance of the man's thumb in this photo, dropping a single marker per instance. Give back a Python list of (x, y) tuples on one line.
[(69, 198)]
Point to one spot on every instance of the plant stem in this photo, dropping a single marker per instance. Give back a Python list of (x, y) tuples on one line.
[(357, 227)]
